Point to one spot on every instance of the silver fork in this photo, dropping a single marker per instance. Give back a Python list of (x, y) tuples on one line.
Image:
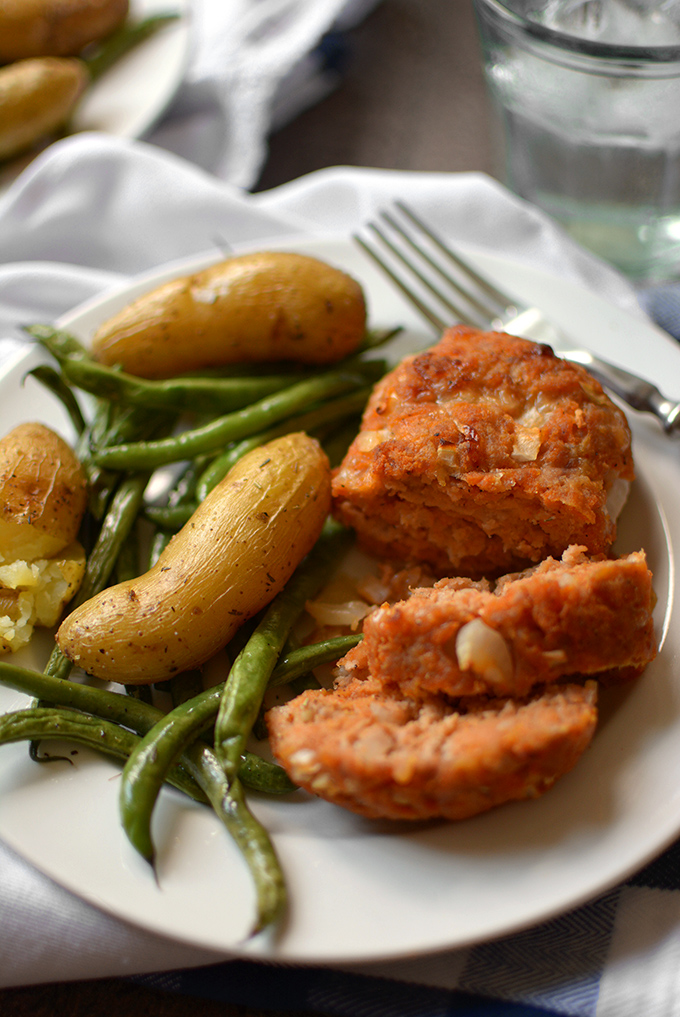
[(446, 289)]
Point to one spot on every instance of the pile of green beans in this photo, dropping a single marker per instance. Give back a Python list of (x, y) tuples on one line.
[(198, 427)]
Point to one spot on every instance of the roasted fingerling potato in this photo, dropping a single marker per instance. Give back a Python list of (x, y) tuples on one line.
[(32, 28), (43, 495), (43, 492), (37, 97), (267, 306), (234, 555)]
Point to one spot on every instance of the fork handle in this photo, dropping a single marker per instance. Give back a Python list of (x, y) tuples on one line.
[(638, 393)]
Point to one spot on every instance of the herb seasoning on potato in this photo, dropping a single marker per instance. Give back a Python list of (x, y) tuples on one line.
[(267, 306), (234, 555)]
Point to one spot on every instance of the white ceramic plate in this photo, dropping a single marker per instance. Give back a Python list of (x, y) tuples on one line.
[(128, 100), (363, 890)]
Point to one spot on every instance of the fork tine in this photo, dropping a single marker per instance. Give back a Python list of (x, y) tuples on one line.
[(419, 250), (427, 311), (457, 311), (484, 311), (506, 304), (514, 317)]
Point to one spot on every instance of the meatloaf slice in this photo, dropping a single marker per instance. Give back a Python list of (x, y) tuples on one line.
[(388, 756), (483, 454), (560, 618)]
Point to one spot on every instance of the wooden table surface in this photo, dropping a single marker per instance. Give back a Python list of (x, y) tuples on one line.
[(412, 98)]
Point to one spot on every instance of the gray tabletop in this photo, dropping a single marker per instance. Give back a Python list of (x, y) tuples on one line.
[(412, 98)]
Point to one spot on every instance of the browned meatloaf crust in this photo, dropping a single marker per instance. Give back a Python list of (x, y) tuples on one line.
[(388, 756), (560, 618), (483, 454)]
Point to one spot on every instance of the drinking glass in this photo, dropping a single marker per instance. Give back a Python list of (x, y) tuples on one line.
[(586, 99)]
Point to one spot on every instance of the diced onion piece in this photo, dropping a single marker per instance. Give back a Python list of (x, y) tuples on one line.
[(527, 444), (349, 613), (366, 441), (617, 497)]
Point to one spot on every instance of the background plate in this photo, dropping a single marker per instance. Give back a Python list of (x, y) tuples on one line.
[(131, 96), (363, 890), (129, 99)]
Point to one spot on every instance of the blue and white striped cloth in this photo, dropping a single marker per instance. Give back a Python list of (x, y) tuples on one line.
[(662, 303), (618, 956)]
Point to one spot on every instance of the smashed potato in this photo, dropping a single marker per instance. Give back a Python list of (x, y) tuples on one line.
[(43, 495), (35, 593)]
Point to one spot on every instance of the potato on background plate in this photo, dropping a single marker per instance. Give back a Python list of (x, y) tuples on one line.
[(37, 96), (30, 28)]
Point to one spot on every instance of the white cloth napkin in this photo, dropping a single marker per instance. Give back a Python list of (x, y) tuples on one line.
[(93, 210), (254, 65)]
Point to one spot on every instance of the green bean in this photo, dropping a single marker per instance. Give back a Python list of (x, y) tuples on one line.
[(185, 486), (117, 525), (55, 384), (144, 773), (376, 337), (306, 658), (127, 562), (180, 506), (145, 770), (160, 541), (336, 409), (205, 395), (259, 774), (208, 395), (185, 686), (336, 444), (91, 436), (129, 35), (93, 432), (56, 341), (295, 668), (170, 517), (125, 422), (101, 735), (226, 797), (200, 764), (252, 669), (111, 425), (127, 711), (231, 427)]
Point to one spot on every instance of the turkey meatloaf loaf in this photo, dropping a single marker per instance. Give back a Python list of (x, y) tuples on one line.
[(483, 454)]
